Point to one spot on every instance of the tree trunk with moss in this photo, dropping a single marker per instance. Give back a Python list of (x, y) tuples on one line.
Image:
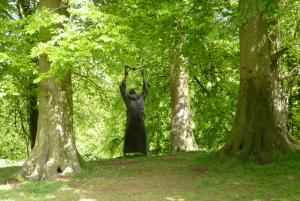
[(54, 153), (182, 134), (259, 130)]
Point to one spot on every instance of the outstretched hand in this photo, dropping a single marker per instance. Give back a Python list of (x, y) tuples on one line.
[(126, 71)]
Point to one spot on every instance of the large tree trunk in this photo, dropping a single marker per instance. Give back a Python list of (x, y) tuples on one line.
[(182, 135), (54, 153), (260, 129)]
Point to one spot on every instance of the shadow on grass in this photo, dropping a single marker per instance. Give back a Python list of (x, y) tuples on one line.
[(186, 176), (7, 174)]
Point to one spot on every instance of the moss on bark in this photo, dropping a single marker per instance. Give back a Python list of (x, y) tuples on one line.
[(54, 153), (259, 130)]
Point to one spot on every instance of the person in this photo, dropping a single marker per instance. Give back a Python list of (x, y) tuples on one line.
[(135, 139)]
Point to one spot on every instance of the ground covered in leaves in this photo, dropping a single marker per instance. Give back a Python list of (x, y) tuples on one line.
[(181, 177)]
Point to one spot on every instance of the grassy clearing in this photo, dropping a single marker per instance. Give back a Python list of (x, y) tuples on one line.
[(180, 177)]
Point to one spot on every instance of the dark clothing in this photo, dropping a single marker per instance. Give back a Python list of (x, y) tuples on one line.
[(135, 135)]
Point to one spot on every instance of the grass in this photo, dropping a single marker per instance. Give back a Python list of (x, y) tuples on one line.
[(180, 177)]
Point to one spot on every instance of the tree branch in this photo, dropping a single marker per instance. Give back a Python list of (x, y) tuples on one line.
[(24, 130), (275, 56), (202, 86), (295, 30), (91, 81), (18, 5), (294, 73)]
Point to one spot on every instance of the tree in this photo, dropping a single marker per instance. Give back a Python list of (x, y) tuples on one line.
[(182, 134), (55, 152), (18, 70), (205, 25), (259, 130)]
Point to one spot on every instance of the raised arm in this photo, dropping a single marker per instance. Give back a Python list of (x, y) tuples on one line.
[(123, 84), (145, 84)]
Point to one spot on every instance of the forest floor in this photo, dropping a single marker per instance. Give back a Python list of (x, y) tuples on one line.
[(179, 177)]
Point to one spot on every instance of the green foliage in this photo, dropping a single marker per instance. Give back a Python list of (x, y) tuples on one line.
[(5, 7), (95, 42), (294, 111), (289, 27), (43, 18), (13, 141), (17, 70), (100, 37)]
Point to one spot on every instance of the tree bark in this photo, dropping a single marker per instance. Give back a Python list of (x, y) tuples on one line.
[(54, 153), (182, 134), (260, 129)]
